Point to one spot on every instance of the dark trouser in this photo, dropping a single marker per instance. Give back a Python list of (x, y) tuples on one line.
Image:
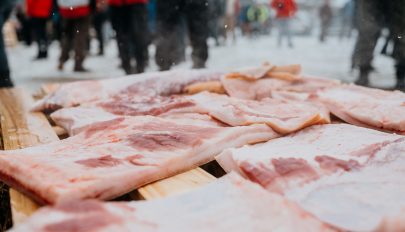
[(169, 15), (372, 17), (131, 26), (40, 35), (75, 34), (5, 80), (98, 22)]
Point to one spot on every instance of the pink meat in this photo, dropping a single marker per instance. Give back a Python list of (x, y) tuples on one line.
[(267, 87), (347, 176), (307, 155), (283, 116), (359, 200), (228, 204), (373, 108), (140, 85), (111, 158)]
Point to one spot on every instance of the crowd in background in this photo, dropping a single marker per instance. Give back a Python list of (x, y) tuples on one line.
[(172, 25)]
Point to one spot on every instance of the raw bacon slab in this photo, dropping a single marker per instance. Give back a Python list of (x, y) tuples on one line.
[(307, 155), (360, 200), (111, 158), (148, 84), (267, 87), (228, 204), (283, 116), (366, 107)]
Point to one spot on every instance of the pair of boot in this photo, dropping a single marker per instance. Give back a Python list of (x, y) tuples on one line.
[(77, 68), (363, 79)]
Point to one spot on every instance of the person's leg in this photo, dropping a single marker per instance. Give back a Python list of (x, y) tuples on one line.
[(288, 32), (119, 19), (140, 35), (39, 28), (82, 26), (281, 31), (168, 18), (197, 19), (5, 80), (98, 22), (369, 29), (66, 41)]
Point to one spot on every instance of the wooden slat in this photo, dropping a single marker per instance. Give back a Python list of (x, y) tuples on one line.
[(21, 128), (177, 184)]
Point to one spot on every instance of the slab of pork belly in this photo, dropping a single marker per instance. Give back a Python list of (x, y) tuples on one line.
[(267, 87), (111, 158), (146, 84), (366, 107), (283, 116), (228, 204), (305, 156), (367, 199)]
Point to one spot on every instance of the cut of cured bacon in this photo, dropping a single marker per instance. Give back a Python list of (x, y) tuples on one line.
[(348, 176), (111, 158), (229, 204), (140, 85), (307, 155), (283, 116), (366, 107), (266, 87)]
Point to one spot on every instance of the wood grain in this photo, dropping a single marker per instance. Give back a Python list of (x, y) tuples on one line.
[(21, 128)]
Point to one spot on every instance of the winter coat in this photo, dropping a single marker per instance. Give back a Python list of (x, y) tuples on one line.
[(74, 8), (126, 2), (284, 8), (39, 8)]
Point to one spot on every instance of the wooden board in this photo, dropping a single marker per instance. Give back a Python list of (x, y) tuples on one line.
[(21, 128)]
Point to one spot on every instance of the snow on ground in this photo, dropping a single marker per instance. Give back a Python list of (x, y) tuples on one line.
[(331, 60)]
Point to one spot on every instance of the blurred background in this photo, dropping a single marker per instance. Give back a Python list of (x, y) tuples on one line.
[(65, 40)]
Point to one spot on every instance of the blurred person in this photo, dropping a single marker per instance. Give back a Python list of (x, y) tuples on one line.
[(347, 13), (99, 18), (39, 12), (325, 16), (129, 19), (258, 16), (6, 8), (372, 18), (170, 14), (152, 19), (231, 15), (285, 10), (75, 31)]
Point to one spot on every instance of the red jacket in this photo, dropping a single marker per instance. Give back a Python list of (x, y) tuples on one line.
[(284, 8), (74, 8), (39, 8), (125, 2)]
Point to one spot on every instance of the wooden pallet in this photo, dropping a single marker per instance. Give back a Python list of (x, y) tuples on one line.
[(21, 128)]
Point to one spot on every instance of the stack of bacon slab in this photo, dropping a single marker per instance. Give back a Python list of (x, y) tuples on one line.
[(283, 116), (229, 204), (373, 108), (348, 176), (114, 157)]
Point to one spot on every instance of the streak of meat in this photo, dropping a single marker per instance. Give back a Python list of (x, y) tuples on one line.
[(140, 85), (347, 176), (111, 158), (283, 116), (228, 204), (366, 107)]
